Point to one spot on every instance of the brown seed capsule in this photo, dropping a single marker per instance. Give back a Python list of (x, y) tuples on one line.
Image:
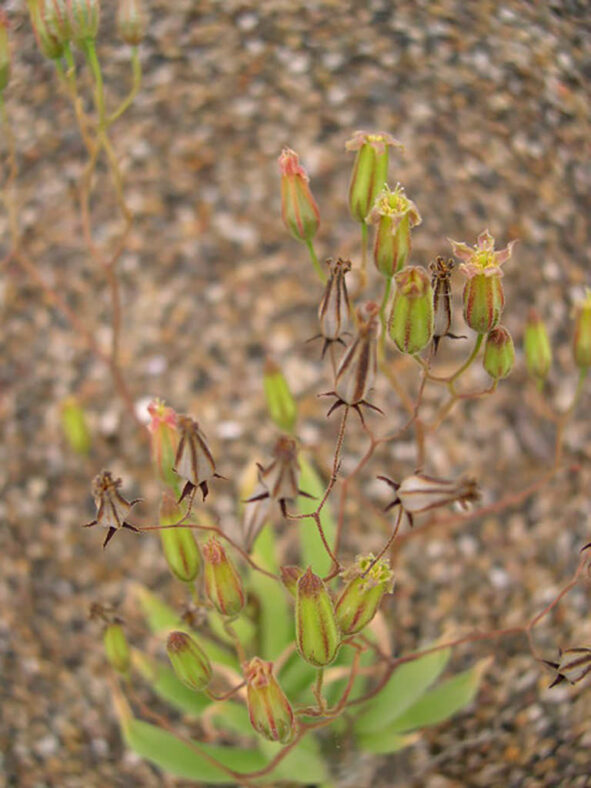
[(573, 665), (441, 271), (112, 508), (420, 493), (279, 479), (334, 312), (193, 461)]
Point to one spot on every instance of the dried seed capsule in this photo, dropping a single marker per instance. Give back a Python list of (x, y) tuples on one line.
[(188, 660), (394, 215), (361, 597), (74, 426), (483, 293), (317, 633), (538, 352), (4, 52), (223, 585), (164, 440), (370, 171), (280, 402), (290, 576), (131, 21), (179, 545), (499, 353), (117, 648), (255, 515), (582, 333), (573, 665), (441, 271), (112, 508), (269, 709), (334, 312), (193, 461), (84, 20), (419, 492), (279, 480), (411, 319), (298, 207)]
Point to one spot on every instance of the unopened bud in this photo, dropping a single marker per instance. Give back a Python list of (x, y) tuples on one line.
[(334, 312), (538, 352), (4, 52), (268, 707), (411, 319), (370, 171), (131, 21), (393, 214), (74, 426), (84, 19), (188, 660), (280, 402), (223, 585), (483, 292), (117, 648), (499, 353), (290, 576), (357, 370), (179, 545), (317, 633), (298, 207), (582, 333), (361, 597), (56, 17), (164, 440)]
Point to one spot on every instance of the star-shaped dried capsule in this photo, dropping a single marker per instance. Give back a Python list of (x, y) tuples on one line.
[(111, 507), (193, 461), (572, 666), (279, 480)]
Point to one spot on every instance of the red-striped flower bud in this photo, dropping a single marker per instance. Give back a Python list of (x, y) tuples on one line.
[(573, 665), (582, 333), (164, 440), (188, 660), (538, 352), (317, 632), (223, 585), (334, 312), (4, 52), (290, 576), (131, 21), (393, 214), (483, 293), (298, 207), (117, 648), (368, 581), (370, 171), (357, 370), (269, 709), (48, 39), (499, 353), (112, 509), (84, 19), (179, 545), (280, 402), (411, 319), (193, 461)]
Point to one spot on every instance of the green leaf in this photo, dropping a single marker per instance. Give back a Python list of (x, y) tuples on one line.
[(303, 764), (406, 685), (313, 551), (166, 685), (297, 676), (386, 741), (443, 701), (233, 717), (276, 627)]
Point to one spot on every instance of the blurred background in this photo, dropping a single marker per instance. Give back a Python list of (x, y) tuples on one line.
[(491, 101)]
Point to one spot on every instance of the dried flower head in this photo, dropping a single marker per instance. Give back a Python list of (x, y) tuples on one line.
[(482, 258), (112, 508), (193, 461), (420, 493), (441, 271), (572, 666), (334, 312), (279, 480), (394, 215)]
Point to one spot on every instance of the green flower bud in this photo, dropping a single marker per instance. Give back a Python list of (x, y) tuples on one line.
[(268, 707), (4, 52), (499, 353), (361, 597), (164, 441), (48, 39), (411, 319), (84, 19), (280, 402), (290, 576), (188, 660), (74, 426), (298, 207), (117, 648), (538, 352), (317, 633), (223, 585), (179, 545), (131, 21), (370, 171), (582, 333), (55, 16), (394, 215)]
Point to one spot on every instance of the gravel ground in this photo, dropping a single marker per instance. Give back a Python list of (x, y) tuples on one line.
[(492, 103)]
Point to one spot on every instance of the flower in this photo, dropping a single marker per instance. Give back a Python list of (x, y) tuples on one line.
[(269, 709), (368, 581), (112, 508), (298, 207), (394, 215), (482, 258), (370, 171)]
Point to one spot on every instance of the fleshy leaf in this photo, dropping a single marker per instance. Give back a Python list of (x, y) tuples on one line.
[(304, 764), (386, 741), (313, 551), (275, 618)]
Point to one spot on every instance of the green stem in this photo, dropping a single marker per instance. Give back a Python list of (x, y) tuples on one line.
[(385, 299), (136, 81), (468, 361), (99, 93), (315, 261), (364, 237), (318, 689)]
